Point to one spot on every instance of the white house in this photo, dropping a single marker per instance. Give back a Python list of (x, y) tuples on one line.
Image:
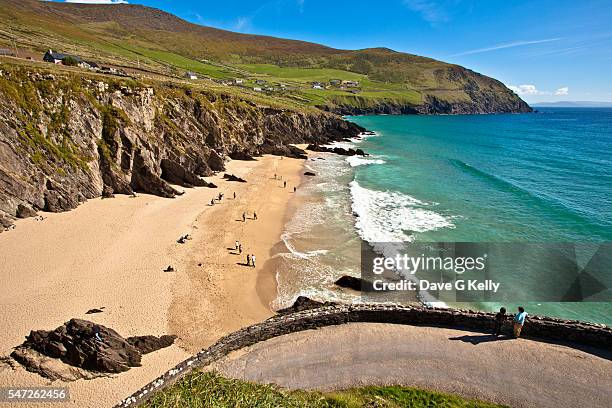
[(317, 87), (257, 89), (190, 75), (238, 81)]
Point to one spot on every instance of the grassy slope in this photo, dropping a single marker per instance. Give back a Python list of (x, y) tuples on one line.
[(200, 390), (128, 35)]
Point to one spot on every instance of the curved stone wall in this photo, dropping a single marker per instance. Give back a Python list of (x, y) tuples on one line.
[(536, 328)]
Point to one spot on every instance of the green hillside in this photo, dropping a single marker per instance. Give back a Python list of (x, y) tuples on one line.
[(148, 41)]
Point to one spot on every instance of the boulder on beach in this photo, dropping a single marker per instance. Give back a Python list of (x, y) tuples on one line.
[(309, 173), (231, 177), (90, 347), (24, 211)]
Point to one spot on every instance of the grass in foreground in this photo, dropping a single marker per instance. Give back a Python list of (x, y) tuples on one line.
[(210, 390)]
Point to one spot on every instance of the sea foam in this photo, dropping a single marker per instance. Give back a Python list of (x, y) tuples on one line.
[(387, 216)]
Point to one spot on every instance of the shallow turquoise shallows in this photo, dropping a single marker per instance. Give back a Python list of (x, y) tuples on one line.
[(541, 177)]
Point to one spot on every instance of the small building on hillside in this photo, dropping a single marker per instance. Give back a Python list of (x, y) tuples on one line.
[(66, 59), (191, 75), (317, 87), (6, 52), (257, 89), (260, 81), (350, 83), (238, 81), (58, 57), (335, 82)]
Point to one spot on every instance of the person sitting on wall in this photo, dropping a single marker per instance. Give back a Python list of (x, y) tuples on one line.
[(500, 318), (519, 321)]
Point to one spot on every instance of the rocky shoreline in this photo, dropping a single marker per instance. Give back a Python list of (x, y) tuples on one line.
[(65, 139)]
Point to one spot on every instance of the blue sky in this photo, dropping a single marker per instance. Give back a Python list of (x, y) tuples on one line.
[(546, 50)]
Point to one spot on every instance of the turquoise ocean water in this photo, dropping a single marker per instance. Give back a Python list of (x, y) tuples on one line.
[(542, 177)]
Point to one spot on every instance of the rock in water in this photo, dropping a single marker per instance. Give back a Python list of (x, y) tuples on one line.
[(76, 344), (337, 150), (354, 283), (303, 303)]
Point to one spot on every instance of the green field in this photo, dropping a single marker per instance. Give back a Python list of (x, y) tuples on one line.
[(210, 390), (144, 41)]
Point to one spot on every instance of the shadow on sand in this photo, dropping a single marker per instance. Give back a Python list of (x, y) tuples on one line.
[(477, 339)]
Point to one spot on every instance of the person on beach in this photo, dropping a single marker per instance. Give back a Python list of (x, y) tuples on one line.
[(237, 245), (243, 217), (294, 189), (253, 260), (254, 215), (248, 260), (500, 318), (212, 201), (284, 184), (274, 176), (234, 195), (519, 321), (240, 248)]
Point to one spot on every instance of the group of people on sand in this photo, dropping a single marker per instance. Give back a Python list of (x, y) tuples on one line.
[(518, 321), (250, 258)]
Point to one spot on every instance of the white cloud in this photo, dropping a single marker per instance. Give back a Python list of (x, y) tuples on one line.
[(526, 90), (97, 1), (504, 46), (562, 91)]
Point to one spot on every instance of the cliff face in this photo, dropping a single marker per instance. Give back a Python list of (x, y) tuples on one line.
[(64, 138)]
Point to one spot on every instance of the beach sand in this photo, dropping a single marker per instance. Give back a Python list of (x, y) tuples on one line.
[(111, 253)]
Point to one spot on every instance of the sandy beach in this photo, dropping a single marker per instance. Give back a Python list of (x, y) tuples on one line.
[(110, 254)]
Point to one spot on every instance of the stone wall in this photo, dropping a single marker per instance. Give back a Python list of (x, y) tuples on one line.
[(537, 328)]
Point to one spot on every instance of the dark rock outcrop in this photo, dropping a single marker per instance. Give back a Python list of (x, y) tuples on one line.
[(358, 284), (303, 303), (284, 150), (309, 173), (85, 345), (231, 177), (24, 211), (337, 150), (149, 344), (215, 161), (174, 173)]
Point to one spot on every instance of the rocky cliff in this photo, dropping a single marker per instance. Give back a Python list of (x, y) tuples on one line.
[(65, 138)]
